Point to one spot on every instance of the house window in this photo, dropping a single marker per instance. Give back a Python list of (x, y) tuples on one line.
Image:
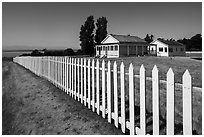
[(104, 48), (108, 47), (161, 49), (116, 47), (111, 47), (165, 49), (170, 49), (181, 49), (152, 49), (176, 49)]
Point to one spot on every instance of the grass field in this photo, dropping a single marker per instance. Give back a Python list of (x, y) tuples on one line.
[(178, 64)]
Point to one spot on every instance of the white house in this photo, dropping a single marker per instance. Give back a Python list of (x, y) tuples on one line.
[(121, 45), (160, 47)]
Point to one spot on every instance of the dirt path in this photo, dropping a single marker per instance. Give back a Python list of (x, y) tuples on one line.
[(32, 105)]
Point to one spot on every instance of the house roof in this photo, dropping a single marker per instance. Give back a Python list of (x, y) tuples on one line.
[(170, 42), (128, 39)]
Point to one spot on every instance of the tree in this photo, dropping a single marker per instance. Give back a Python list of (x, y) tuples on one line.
[(148, 39), (192, 44), (101, 31), (36, 53), (69, 52), (87, 36)]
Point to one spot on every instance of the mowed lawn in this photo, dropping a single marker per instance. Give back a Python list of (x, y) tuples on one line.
[(178, 64)]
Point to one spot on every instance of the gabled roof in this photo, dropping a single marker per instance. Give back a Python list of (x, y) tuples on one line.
[(170, 42), (113, 38), (128, 39)]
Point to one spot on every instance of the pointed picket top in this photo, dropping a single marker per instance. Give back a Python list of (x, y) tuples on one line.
[(170, 72), (131, 67), (78, 60), (93, 63), (142, 68), (114, 64), (109, 63), (75, 60), (97, 62), (103, 63), (186, 75), (122, 66), (155, 69)]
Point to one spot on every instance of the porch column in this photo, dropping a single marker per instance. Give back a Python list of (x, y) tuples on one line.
[(136, 50), (128, 52)]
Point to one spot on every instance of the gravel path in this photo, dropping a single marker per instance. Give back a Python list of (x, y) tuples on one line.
[(32, 105)]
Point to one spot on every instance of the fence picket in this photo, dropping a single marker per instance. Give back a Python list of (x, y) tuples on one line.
[(70, 68), (78, 80), (97, 87), (170, 102), (72, 78), (82, 81), (142, 101), (115, 73), (109, 92), (187, 104), (64, 74), (75, 79), (93, 85), (122, 83), (68, 75), (131, 100), (84, 98), (89, 85), (155, 100), (103, 90)]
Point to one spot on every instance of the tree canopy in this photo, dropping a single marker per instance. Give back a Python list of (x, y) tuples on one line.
[(148, 38), (87, 36), (192, 44), (101, 31)]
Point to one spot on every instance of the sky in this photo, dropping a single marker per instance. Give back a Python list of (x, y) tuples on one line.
[(54, 25)]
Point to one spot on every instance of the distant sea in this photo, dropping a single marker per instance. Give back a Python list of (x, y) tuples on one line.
[(13, 53)]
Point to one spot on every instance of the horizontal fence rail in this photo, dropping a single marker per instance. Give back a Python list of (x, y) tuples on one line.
[(111, 92)]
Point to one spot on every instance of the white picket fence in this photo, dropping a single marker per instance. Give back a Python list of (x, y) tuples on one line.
[(82, 78)]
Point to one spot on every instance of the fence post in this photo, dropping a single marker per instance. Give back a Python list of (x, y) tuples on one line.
[(115, 73), (155, 100), (187, 104), (93, 86), (122, 83), (170, 102), (103, 90), (89, 85), (142, 101), (97, 87), (131, 100)]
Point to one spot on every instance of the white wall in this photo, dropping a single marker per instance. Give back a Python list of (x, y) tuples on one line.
[(161, 45)]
